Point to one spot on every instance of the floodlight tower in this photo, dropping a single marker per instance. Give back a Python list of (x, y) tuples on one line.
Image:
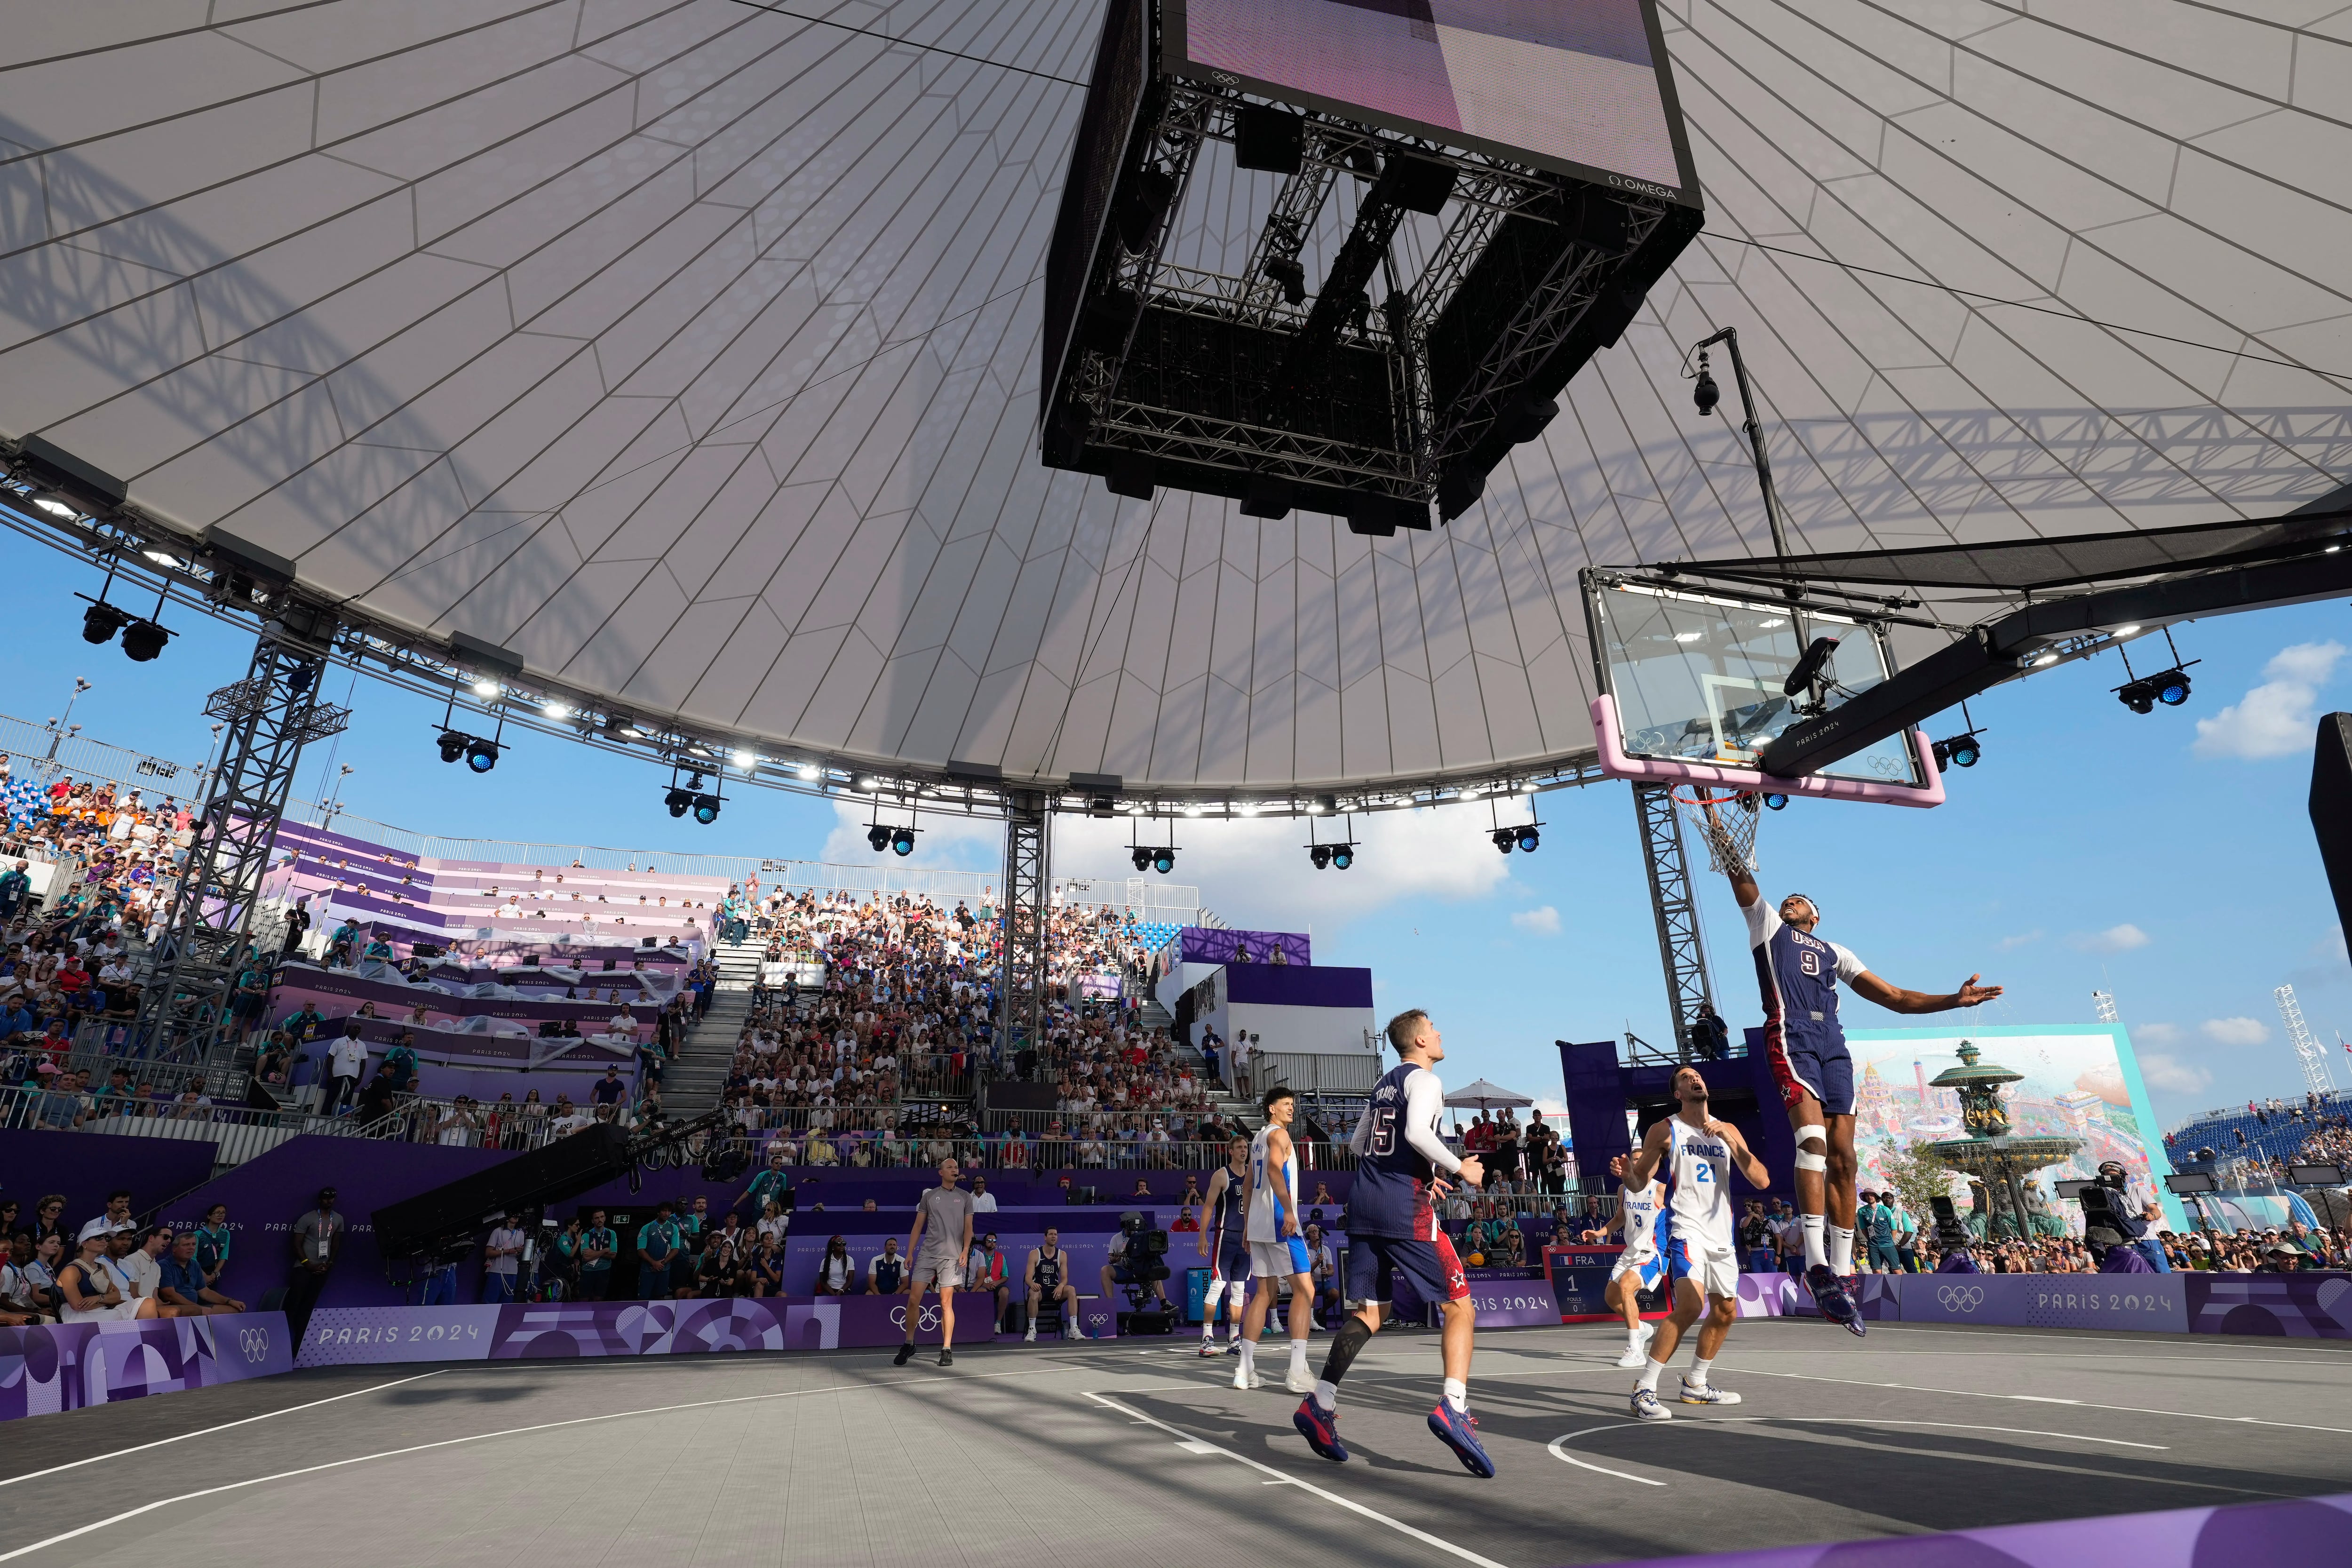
[(2307, 1050), (2105, 1001)]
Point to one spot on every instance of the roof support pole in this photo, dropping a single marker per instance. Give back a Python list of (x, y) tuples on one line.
[(185, 1013), (1681, 950), (1021, 996)]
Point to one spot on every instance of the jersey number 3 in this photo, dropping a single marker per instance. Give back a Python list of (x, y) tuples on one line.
[(1383, 1138)]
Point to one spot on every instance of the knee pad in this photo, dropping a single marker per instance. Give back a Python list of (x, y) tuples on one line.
[(1812, 1161)]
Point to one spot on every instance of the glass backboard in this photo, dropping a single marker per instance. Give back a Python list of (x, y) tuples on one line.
[(1696, 687)]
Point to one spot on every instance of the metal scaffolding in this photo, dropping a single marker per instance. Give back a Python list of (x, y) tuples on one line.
[(1028, 844), (2309, 1054), (184, 1013), (1680, 950)]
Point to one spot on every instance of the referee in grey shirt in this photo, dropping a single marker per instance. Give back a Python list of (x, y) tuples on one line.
[(938, 1244)]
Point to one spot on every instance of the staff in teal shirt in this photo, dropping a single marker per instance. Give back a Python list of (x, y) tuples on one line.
[(213, 1239), (658, 1250), (598, 1247), (775, 1182)]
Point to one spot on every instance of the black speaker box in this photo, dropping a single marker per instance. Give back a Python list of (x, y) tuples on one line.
[(2331, 808), (588, 1158)]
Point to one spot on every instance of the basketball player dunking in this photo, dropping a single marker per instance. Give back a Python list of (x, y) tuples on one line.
[(1393, 1228), (1224, 1242), (1799, 972)]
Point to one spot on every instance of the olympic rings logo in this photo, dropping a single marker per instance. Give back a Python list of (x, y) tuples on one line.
[(254, 1342), (1960, 1298), (926, 1318)]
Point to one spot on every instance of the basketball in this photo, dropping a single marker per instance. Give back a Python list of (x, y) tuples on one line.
[(1478, 1260)]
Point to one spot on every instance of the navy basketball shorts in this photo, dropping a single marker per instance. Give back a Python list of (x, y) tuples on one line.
[(1820, 1068), (1374, 1261)]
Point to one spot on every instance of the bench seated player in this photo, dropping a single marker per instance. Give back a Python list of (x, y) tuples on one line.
[(1048, 1279)]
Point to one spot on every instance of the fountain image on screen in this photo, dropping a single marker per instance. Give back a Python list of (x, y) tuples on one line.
[(1568, 80)]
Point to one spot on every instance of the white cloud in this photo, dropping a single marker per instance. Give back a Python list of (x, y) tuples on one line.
[(2011, 943), (2236, 1031), (1544, 921), (2168, 1072), (2115, 939), (1253, 872), (2275, 719), (2159, 1034)]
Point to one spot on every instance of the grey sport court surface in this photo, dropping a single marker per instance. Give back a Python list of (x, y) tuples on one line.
[(1142, 1453)]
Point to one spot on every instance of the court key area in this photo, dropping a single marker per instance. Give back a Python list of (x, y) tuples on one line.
[(1124, 1453)]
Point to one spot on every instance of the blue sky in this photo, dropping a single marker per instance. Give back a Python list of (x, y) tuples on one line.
[(2169, 857)]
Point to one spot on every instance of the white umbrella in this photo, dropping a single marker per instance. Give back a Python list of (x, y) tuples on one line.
[(1486, 1096)]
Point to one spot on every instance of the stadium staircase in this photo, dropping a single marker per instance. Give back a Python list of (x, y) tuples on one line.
[(690, 1084)]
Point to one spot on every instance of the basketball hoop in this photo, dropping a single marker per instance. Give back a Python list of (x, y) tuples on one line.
[(1725, 821)]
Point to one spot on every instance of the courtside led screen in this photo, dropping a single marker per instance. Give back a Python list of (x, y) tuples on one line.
[(1580, 86)]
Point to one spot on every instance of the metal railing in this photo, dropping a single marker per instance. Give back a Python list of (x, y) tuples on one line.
[(1308, 1072), (238, 1132), (862, 1152)]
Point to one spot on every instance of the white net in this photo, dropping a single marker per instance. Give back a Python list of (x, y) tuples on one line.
[(1725, 821)]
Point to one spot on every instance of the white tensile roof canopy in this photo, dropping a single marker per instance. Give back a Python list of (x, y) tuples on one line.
[(690, 353)]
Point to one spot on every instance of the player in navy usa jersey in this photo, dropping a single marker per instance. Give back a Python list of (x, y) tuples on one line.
[(1224, 1242), (1392, 1229), (1805, 1041)]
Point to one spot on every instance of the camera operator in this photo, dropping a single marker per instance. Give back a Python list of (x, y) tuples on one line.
[(2114, 1223), (1952, 1239), (1135, 1257)]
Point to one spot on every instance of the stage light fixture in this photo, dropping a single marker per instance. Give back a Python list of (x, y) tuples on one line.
[(485, 689), (1320, 854), (2171, 686), (1776, 803), (102, 621), (56, 508), (879, 838), (706, 809), (811, 773), (745, 761), (142, 640), (903, 841), (1163, 861), (1140, 857), (1528, 839), (1343, 856), (1325, 804), (1291, 276), (1959, 752), (678, 801), (1504, 838), (557, 711), (453, 744), (481, 756)]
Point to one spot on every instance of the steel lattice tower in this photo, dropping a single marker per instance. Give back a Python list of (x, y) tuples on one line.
[(2307, 1049)]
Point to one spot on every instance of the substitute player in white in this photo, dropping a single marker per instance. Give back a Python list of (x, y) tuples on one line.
[(1695, 1153), (1799, 972), (1642, 1266), (1277, 1244)]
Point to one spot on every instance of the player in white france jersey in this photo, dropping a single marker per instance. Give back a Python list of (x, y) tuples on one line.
[(1277, 1244), (1696, 1153), (1642, 1266)]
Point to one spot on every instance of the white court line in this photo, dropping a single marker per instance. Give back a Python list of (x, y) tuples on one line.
[(1353, 1507), (208, 1431), (505, 1432), (2044, 1399), (1554, 1447)]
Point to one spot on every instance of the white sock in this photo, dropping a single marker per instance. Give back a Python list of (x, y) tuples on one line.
[(1457, 1393), (1650, 1371), (1327, 1393), (1634, 1336), (1841, 1251), (1298, 1355), (1249, 1356), (1811, 1224), (1696, 1377)]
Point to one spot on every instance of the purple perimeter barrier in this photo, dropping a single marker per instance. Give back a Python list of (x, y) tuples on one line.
[(354, 1336), (2299, 1530), (67, 1366)]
